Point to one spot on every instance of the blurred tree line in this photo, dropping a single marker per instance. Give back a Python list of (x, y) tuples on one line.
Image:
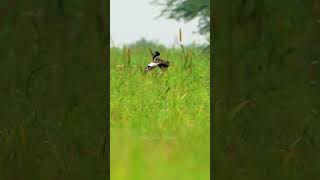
[(187, 10), (145, 44), (266, 89), (53, 89)]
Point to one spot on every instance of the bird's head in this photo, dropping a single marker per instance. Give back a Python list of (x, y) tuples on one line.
[(157, 53)]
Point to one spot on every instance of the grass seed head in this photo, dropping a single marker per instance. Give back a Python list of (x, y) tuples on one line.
[(180, 35)]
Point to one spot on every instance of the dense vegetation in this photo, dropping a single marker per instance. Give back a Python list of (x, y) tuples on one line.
[(266, 89), (53, 90), (160, 121)]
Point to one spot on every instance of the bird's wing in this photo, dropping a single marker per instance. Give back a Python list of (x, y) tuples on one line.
[(152, 65), (160, 61), (157, 60)]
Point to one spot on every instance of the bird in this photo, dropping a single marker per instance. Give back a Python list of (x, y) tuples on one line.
[(157, 62)]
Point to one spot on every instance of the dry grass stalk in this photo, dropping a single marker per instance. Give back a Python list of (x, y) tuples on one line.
[(185, 55), (180, 35), (128, 56)]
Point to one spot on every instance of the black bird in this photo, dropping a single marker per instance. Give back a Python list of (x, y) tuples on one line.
[(157, 61)]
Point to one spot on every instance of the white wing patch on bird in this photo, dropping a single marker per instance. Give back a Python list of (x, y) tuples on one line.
[(152, 64)]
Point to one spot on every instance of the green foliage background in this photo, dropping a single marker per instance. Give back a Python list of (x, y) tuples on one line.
[(265, 86), (53, 89), (160, 121), (266, 89)]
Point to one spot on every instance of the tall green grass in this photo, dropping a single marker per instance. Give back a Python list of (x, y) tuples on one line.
[(160, 121)]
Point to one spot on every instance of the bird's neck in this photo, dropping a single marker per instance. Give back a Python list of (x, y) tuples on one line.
[(154, 56)]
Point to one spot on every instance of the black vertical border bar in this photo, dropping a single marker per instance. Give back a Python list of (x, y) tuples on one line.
[(107, 51)]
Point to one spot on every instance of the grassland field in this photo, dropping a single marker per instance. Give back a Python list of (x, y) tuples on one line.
[(160, 121)]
